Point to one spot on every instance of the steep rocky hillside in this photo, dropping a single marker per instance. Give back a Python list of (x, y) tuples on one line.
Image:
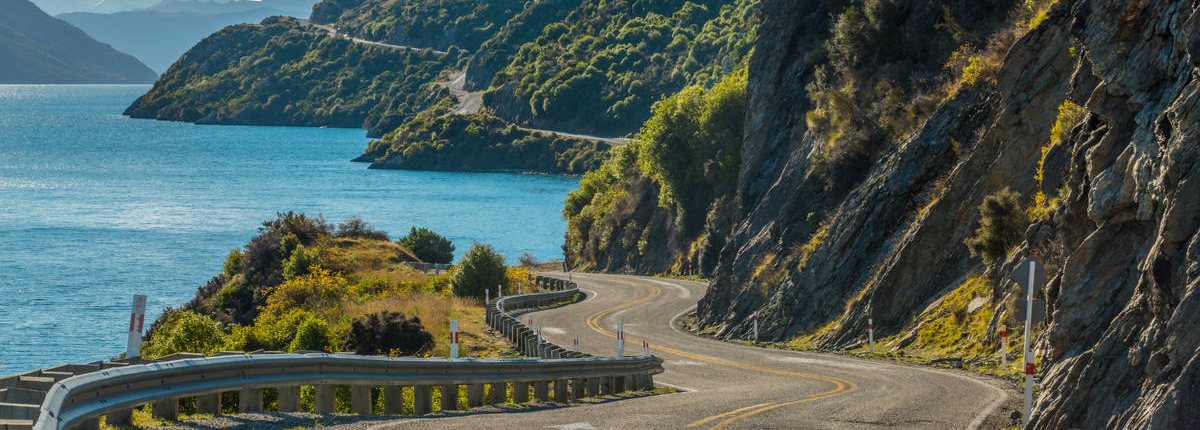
[(899, 158)]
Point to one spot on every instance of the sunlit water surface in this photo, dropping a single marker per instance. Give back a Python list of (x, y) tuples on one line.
[(95, 207)]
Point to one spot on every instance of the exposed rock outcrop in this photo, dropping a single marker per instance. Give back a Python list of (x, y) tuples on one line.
[(1111, 193)]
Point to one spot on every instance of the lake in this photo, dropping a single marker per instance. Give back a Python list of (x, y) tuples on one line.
[(95, 207)]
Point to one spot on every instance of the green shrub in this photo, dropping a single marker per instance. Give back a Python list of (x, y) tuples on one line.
[(300, 262), (355, 227), (388, 333), (481, 268), (312, 335), (185, 331), (429, 246), (233, 262), (1002, 225)]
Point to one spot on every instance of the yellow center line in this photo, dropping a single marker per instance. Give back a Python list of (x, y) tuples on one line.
[(840, 386)]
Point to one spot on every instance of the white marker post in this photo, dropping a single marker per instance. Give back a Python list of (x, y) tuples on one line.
[(754, 318), (871, 334), (453, 339), (1003, 347), (136, 319), (487, 296), (499, 292), (1029, 367), (575, 343), (620, 339), (539, 340), (645, 348)]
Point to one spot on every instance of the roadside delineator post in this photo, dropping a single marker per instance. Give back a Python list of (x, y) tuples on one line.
[(487, 296), (1003, 347), (453, 338), (539, 340), (754, 318), (137, 318), (645, 348), (575, 343), (1029, 275), (871, 334), (620, 339)]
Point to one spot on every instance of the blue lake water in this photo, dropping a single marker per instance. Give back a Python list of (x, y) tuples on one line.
[(95, 207)]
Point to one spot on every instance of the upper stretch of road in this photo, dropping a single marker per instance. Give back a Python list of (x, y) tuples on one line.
[(725, 385)]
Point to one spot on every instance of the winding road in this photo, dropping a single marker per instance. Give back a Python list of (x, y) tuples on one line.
[(725, 385)]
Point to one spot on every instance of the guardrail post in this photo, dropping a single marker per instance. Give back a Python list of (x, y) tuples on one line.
[(474, 395), (619, 384), (648, 382), (561, 394), (166, 409), (450, 397), (360, 400), (607, 384), (208, 404), (393, 400), (289, 399), (422, 399), (520, 392), (579, 388), (541, 391), (497, 392), (250, 400), (123, 417), (324, 399)]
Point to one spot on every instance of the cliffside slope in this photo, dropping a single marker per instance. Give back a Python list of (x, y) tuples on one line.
[(1074, 118), (39, 49), (283, 72)]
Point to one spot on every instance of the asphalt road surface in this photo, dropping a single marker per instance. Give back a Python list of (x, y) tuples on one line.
[(725, 385)]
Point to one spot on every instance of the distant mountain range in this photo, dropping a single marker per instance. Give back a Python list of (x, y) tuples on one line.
[(39, 49), (159, 34)]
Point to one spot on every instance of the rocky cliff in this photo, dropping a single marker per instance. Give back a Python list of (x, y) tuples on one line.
[(983, 134)]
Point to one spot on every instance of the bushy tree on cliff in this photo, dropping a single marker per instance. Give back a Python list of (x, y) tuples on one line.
[(480, 269), (1002, 224)]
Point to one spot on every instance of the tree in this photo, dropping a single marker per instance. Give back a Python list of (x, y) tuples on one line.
[(312, 335), (1002, 225), (388, 333), (186, 331), (355, 227), (430, 247), (480, 269)]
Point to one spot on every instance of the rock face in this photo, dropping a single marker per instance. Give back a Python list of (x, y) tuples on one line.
[(1119, 348)]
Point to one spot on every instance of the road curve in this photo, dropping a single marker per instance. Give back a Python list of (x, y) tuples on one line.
[(728, 385)]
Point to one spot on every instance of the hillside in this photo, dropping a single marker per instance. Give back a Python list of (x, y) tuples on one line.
[(898, 161), (617, 59), (304, 76), (176, 26), (39, 49)]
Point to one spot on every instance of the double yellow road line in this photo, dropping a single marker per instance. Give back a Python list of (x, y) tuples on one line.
[(839, 386)]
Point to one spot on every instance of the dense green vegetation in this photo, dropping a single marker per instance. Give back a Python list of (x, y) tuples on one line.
[(283, 72), (601, 68), (480, 269), (688, 154), (301, 284), (423, 23), (436, 140), (429, 246)]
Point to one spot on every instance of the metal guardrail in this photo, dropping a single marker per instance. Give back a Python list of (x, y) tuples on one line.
[(77, 402)]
